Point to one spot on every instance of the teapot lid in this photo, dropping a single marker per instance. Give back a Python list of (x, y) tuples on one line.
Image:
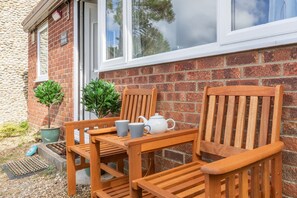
[(157, 116)]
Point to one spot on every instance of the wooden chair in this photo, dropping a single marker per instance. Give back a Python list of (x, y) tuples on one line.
[(135, 102), (241, 125)]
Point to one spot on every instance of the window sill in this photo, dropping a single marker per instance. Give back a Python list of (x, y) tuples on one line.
[(213, 49), (39, 80)]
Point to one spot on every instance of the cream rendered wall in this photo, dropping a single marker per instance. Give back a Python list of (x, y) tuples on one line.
[(13, 59)]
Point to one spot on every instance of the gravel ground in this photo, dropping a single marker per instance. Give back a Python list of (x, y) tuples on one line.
[(48, 183)]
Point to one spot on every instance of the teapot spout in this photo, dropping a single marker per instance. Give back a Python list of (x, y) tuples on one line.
[(144, 119)]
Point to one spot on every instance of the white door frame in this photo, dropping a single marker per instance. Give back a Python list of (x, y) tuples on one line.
[(80, 78)]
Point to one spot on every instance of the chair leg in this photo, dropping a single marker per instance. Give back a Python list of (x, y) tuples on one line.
[(151, 161), (71, 173), (95, 169), (120, 165)]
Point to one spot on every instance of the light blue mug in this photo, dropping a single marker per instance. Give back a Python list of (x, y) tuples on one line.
[(137, 129), (122, 127)]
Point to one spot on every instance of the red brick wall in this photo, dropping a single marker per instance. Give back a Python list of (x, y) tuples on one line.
[(180, 86), (60, 70)]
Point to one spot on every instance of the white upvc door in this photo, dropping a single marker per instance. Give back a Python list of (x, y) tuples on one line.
[(90, 49)]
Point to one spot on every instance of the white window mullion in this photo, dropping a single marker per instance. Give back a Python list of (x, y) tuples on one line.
[(129, 48), (102, 30)]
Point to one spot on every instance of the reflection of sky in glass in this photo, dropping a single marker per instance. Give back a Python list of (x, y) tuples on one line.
[(113, 29), (248, 13), (194, 24)]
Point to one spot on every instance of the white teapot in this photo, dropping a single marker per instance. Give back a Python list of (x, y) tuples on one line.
[(157, 123)]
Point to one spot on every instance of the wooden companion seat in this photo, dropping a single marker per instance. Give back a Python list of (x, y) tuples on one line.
[(240, 128), (135, 102), (238, 140)]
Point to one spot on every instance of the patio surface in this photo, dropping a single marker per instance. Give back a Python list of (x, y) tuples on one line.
[(48, 183)]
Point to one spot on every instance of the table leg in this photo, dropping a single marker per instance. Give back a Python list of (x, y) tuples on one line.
[(95, 171), (135, 168)]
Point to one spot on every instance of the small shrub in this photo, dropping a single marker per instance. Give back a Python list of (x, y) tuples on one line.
[(101, 98), (49, 93), (13, 129)]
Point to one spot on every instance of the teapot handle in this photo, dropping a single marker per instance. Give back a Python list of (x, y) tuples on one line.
[(172, 122)]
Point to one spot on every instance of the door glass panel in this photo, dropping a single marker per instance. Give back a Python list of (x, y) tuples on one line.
[(114, 29), (43, 50), (248, 13), (162, 26)]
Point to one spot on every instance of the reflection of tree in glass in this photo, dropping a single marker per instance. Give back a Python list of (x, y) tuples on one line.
[(147, 39), (114, 8)]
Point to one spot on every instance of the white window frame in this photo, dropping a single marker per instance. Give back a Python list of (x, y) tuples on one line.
[(270, 29), (45, 76), (102, 36), (267, 35)]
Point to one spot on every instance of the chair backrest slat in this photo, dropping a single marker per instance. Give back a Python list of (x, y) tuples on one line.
[(82, 135), (252, 122), (264, 121), (138, 107), (219, 121), (130, 106), (133, 118), (147, 112), (143, 105), (138, 102), (229, 120), (239, 117), (240, 123), (277, 112), (210, 118)]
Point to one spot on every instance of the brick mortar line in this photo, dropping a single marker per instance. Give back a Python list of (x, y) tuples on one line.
[(290, 151), (288, 136), (291, 182)]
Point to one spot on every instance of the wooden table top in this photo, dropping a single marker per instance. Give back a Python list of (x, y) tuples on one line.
[(115, 140)]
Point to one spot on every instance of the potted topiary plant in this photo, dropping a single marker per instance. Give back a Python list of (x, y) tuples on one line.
[(101, 98), (49, 93)]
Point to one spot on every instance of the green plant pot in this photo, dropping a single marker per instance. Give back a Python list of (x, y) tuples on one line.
[(50, 135)]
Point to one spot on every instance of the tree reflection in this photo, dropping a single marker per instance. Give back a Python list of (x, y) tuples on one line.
[(147, 39)]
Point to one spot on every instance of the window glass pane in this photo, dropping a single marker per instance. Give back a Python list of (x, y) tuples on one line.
[(167, 25), (248, 13), (43, 50), (114, 29)]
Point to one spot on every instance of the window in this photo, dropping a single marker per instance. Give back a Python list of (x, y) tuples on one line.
[(42, 53), (247, 13), (251, 20), (143, 32)]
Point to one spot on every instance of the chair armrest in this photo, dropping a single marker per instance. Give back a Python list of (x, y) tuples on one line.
[(89, 123), (163, 140), (102, 131), (235, 162), (70, 127)]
